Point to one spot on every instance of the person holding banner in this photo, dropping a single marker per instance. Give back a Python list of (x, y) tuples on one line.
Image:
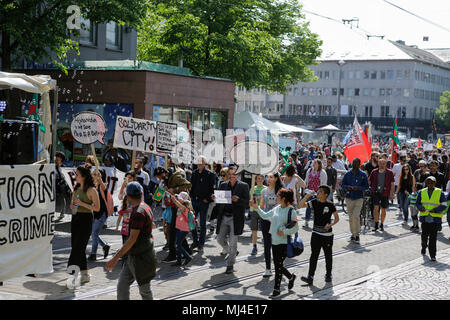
[(85, 201), (63, 192)]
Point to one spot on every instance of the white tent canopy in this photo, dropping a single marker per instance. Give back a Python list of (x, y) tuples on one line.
[(247, 120), (290, 128), (329, 127), (40, 84)]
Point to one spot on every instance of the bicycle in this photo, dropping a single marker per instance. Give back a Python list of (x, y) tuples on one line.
[(365, 210), (340, 195)]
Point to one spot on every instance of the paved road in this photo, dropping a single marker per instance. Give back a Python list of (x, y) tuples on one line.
[(389, 260)]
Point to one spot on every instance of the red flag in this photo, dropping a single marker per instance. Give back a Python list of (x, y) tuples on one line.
[(419, 144), (358, 145)]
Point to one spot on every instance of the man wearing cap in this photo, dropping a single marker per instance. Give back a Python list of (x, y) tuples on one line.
[(431, 203), (141, 261)]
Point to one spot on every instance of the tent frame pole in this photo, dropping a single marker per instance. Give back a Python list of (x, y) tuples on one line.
[(54, 123)]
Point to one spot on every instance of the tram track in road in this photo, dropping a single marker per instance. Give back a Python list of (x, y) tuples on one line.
[(224, 284)]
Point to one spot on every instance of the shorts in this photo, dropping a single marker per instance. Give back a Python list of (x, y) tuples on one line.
[(378, 200), (254, 219)]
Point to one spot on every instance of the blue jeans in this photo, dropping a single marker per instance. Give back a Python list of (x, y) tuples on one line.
[(200, 208), (181, 235), (96, 228), (403, 202)]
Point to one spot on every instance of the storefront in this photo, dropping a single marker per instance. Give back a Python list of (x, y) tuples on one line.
[(141, 90)]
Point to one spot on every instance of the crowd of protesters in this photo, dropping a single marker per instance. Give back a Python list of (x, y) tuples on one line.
[(417, 180)]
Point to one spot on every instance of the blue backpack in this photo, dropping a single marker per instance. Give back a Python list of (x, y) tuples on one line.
[(296, 247)]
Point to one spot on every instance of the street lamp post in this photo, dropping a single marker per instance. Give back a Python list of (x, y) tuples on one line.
[(340, 64)]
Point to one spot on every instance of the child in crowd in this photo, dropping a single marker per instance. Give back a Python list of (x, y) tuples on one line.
[(167, 219), (413, 208), (183, 203), (124, 214)]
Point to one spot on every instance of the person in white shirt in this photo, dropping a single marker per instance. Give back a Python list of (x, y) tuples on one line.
[(141, 174), (397, 170)]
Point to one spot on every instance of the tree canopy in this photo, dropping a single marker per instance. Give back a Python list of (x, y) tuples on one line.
[(257, 43), (33, 29), (443, 113)]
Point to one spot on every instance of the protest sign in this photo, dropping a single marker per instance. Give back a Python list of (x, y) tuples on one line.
[(135, 134), (27, 206), (166, 137), (222, 196), (88, 127), (114, 181)]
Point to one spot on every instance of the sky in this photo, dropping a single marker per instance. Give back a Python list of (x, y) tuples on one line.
[(377, 17)]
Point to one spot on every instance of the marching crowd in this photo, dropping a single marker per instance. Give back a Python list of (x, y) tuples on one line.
[(182, 199)]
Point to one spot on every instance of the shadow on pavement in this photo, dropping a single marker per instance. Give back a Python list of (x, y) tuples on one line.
[(52, 290)]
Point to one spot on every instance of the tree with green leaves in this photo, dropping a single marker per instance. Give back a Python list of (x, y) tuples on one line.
[(443, 113), (257, 43), (33, 29)]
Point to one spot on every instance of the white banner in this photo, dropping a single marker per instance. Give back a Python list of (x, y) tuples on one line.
[(27, 205), (114, 181), (135, 134)]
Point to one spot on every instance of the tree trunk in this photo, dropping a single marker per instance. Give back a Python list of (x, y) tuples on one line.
[(6, 52)]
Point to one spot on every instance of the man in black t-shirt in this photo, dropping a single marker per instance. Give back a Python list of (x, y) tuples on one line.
[(322, 235), (372, 164)]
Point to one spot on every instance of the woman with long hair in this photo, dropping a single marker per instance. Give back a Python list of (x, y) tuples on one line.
[(315, 177), (85, 201), (268, 201), (278, 217), (291, 180), (406, 186)]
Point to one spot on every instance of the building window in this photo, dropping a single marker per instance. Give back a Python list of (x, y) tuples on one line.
[(342, 75), (397, 92), (407, 74), (406, 92), (357, 75), (350, 75), (356, 92), (399, 74), (385, 111), (334, 91), (113, 36), (368, 111), (365, 92), (373, 92), (88, 32), (327, 75), (319, 91), (373, 75), (415, 111), (350, 92), (420, 112), (342, 92), (389, 92), (390, 74), (295, 91), (382, 92), (304, 91), (312, 91), (326, 91), (382, 74), (334, 74), (366, 74)]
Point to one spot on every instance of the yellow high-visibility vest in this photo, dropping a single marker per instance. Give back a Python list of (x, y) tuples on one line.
[(431, 203)]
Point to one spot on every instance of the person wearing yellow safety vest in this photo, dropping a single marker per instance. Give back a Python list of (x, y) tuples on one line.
[(431, 203)]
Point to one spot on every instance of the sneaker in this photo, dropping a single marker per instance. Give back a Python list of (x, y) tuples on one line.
[(423, 251), (176, 264), (229, 270), (306, 224), (85, 277), (254, 251), (375, 228), (352, 239), (308, 280), (433, 259), (106, 251), (275, 294), (92, 257), (169, 259), (381, 227), (357, 239), (291, 282), (267, 273), (186, 261), (328, 278), (225, 252), (211, 229)]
